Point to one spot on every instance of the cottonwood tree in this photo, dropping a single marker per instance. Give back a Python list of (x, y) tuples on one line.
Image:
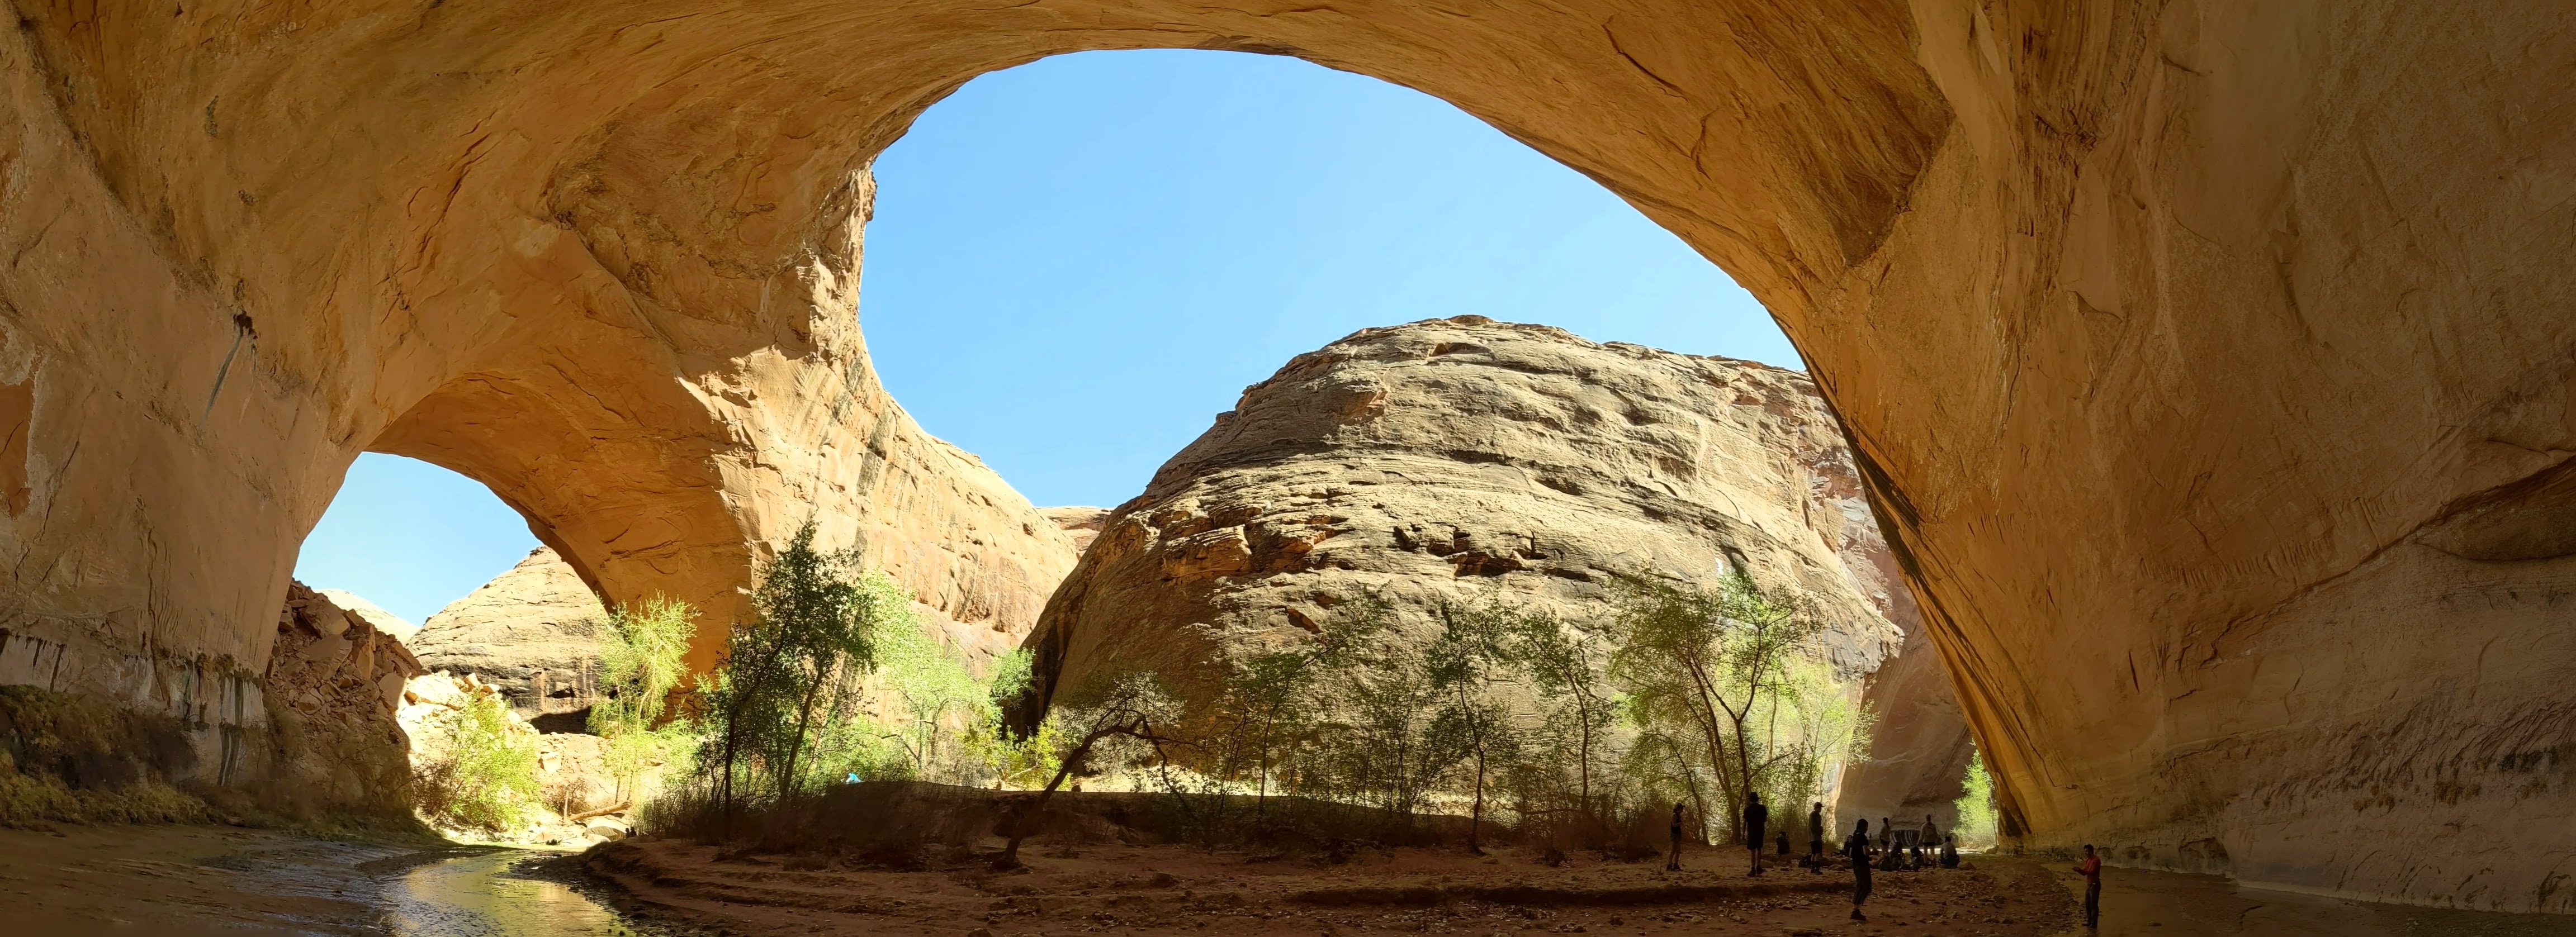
[(790, 674), (1566, 668), (641, 660), (1466, 667), (1709, 662), (1117, 705), (1378, 704)]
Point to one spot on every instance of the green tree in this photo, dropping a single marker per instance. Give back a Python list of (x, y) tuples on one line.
[(1465, 667), (1122, 705), (642, 660), (790, 676), (1977, 806), (1714, 662), (1566, 667), (1378, 703)]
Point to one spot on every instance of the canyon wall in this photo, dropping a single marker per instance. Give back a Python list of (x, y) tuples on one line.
[(1471, 461), (2209, 363)]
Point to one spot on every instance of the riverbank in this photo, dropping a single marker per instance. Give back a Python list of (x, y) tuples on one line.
[(1174, 890), (185, 881)]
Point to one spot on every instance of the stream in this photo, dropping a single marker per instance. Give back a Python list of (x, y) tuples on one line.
[(497, 893)]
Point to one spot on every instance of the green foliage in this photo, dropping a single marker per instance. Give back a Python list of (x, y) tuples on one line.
[(1378, 700), (1723, 684), (488, 780), (938, 702), (1977, 807), (790, 677), (642, 659), (1468, 666)]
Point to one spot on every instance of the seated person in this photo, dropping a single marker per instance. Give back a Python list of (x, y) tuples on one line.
[(1950, 852)]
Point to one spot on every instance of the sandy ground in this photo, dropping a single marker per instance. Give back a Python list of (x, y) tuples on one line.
[(184, 880), (1156, 890)]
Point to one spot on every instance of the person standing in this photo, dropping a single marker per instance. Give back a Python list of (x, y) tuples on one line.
[(1756, 817), (1931, 835), (1858, 849), (1816, 838), (2091, 869), (1674, 864)]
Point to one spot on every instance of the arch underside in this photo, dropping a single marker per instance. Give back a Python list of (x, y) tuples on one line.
[(2209, 365)]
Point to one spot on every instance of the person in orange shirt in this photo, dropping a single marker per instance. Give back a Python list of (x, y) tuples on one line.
[(2091, 869)]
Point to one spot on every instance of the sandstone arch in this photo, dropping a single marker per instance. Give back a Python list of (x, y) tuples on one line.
[(2209, 362)]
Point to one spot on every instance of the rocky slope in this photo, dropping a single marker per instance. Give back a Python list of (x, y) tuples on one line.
[(1468, 458), (334, 684), (532, 633)]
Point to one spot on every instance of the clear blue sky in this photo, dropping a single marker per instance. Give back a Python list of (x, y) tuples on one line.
[(1076, 264)]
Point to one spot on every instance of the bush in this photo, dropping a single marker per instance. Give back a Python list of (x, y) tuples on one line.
[(488, 779)]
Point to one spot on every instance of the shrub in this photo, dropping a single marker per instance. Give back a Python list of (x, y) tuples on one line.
[(488, 779)]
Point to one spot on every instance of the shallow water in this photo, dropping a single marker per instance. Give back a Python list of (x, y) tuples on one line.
[(2166, 904), (495, 894)]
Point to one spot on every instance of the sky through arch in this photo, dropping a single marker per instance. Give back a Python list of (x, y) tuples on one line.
[(1077, 263)]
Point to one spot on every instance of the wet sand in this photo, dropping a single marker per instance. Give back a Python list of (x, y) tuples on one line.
[(187, 881), (1173, 890)]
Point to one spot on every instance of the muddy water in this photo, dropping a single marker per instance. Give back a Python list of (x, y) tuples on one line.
[(495, 894)]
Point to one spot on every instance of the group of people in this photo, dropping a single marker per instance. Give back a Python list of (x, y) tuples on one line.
[(1864, 853)]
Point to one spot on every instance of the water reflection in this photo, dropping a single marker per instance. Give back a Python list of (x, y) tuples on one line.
[(489, 895)]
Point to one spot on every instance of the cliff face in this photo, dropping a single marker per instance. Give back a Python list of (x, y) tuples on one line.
[(1468, 459), (2210, 361)]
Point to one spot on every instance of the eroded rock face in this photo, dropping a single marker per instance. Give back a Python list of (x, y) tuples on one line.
[(1471, 460), (2209, 361), (532, 633), (334, 684), (1918, 755), (1081, 523)]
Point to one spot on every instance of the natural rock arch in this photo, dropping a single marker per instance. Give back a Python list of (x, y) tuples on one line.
[(2209, 365)]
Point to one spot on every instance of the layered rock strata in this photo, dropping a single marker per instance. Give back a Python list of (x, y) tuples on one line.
[(532, 633), (1470, 460), (2208, 361)]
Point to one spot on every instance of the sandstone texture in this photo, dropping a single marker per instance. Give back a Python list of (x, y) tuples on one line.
[(1081, 523), (388, 623), (532, 633), (1471, 460), (1918, 755), (334, 684), (2209, 362)]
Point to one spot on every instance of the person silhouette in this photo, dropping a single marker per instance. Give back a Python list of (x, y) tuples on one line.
[(1674, 864), (1756, 816), (1816, 838), (1858, 849)]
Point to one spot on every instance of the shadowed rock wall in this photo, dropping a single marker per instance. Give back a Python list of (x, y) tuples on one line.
[(2209, 362)]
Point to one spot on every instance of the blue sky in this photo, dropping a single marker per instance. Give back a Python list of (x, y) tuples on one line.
[(1077, 263)]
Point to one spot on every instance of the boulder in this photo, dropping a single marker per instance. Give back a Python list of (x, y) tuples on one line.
[(1469, 459), (334, 683)]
